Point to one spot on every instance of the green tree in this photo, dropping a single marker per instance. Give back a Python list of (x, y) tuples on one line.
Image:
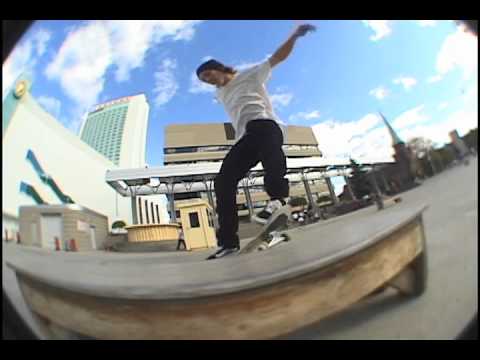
[(298, 201), (471, 139), (324, 198), (359, 181), (119, 224), (420, 146), (425, 155)]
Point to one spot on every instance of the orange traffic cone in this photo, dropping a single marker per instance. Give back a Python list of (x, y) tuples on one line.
[(73, 245)]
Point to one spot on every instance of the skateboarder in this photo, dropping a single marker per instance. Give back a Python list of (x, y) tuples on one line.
[(259, 138)]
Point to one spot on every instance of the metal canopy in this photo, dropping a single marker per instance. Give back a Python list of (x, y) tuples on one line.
[(200, 176)]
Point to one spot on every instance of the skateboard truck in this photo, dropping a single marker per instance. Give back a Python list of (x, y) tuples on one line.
[(275, 237)]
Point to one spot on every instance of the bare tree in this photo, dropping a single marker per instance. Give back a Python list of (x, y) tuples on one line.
[(420, 146)]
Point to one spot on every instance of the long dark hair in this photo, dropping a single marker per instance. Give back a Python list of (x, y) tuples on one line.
[(228, 70), (215, 65)]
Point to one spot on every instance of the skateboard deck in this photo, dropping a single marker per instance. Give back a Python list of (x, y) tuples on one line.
[(271, 234)]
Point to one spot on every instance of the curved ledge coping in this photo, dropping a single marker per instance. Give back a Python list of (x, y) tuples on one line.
[(178, 276)]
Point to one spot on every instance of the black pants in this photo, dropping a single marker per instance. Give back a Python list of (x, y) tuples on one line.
[(262, 142)]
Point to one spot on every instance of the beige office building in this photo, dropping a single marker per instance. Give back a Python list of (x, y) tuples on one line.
[(206, 143)]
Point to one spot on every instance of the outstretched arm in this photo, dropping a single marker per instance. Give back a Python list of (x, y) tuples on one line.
[(285, 50)]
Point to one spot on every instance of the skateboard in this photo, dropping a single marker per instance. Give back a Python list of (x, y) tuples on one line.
[(271, 235)]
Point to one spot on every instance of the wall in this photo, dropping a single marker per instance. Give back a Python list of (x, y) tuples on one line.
[(82, 237), (32, 214), (77, 169), (134, 139), (182, 135)]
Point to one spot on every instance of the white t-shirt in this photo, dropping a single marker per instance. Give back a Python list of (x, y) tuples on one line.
[(245, 98)]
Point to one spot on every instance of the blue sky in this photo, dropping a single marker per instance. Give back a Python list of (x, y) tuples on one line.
[(421, 74)]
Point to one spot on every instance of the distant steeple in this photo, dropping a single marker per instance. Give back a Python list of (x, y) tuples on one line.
[(395, 139)]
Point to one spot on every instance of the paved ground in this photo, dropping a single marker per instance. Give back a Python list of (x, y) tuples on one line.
[(451, 299)]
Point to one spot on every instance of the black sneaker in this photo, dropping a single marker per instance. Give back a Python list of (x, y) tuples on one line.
[(224, 252)]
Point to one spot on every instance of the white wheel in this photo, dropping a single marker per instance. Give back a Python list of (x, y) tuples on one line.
[(262, 247)]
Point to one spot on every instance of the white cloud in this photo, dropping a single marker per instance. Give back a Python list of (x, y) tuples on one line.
[(409, 118), (186, 29), (79, 68), (304, 116), (24, 57), (131, 39), (419, 124), (312, 115), (50, 104), (282, 88), (424, 23), (382, 28), (366, 123), (369, 137), (75, 122), (462, 121), (165, 84), (407, 82), (281, 100), (459, 50), (379, 92), (41, 39), (93, 47), (471, 96), (434, 79), (356, 138), (443, 106)]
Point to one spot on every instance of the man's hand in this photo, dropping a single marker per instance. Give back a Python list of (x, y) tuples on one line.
[(304, 29), (285, 50)]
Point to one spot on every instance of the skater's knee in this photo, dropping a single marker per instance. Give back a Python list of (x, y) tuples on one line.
[(277, 184), (219, 182), (223, 182)]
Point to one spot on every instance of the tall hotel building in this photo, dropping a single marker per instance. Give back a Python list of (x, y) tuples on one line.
[(118, 130)]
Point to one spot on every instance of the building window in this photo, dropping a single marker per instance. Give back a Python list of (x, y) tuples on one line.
[(210, 219), (186, 150), (229, 131), (194, 221)]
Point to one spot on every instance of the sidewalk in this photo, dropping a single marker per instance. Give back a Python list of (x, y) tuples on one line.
[(451, 298)]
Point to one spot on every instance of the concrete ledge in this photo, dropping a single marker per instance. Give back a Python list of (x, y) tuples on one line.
[(164, 278), (261, 295)]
